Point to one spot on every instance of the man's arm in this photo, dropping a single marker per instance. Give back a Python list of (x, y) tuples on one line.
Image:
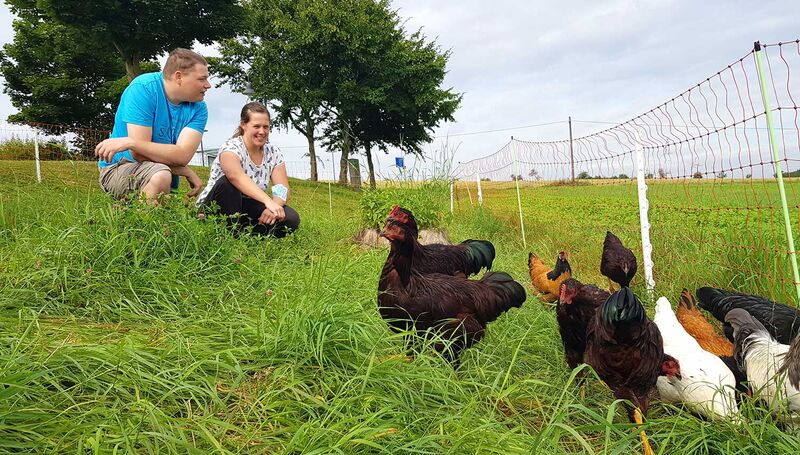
[(140, 142)]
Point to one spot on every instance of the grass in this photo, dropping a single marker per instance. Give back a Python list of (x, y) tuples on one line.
[(139, 329)]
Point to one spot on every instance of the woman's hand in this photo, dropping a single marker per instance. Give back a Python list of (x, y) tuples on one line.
[(276, 209)]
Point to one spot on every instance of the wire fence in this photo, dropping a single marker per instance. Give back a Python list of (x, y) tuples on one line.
[(710, 174)]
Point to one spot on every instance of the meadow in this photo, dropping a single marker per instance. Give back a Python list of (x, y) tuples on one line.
[(135, 329)]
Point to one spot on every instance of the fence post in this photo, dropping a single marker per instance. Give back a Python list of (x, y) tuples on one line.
[(644, 221), (516, 181), (571, 156), (480, 192), (36, 155), (773, 145), (452, 211)]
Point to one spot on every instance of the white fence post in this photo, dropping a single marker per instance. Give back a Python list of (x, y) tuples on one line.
[(519, 198), (452, 212), (644, 221), (480, 192), (36, 154)]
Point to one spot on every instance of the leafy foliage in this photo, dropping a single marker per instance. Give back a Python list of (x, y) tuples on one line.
[(23, 149), (429, 202)]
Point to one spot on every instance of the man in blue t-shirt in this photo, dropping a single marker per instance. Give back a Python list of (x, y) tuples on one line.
[(158, 125)]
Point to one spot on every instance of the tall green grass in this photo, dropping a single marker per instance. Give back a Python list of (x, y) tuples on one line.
[(141, 329)]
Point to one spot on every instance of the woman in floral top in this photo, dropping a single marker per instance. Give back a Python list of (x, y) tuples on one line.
[(241, 174)]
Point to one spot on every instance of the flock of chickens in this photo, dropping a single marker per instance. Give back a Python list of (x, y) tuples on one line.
[(425, 289)]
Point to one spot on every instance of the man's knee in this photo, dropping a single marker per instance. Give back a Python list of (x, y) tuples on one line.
[(159, 183)]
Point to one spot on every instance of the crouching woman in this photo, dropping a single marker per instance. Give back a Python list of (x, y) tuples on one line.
[(245, 165)]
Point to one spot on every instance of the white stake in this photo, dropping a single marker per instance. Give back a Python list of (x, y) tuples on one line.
[(36, 154), (644, 222), (480, 192)]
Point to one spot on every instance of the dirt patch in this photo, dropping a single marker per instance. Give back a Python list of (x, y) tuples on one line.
[(369, 238)]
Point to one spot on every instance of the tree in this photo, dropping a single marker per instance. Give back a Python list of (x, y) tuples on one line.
[(534, 174), (697, 175), (721, 175), (662, 174), (345, 63), (139, 30), (55, 76), (584, 175)]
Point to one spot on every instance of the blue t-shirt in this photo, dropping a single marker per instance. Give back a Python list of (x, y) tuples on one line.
[(144, 103)]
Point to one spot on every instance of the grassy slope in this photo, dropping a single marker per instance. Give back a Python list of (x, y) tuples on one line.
[(146, 330)]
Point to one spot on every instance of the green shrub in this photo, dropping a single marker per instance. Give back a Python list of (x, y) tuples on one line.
[(429, 202), (24, 149)]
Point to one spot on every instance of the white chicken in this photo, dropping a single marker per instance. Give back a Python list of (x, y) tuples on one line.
[(772, 368), (706, 385)]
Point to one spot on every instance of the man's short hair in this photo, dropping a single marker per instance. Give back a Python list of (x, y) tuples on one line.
[(182, 60)]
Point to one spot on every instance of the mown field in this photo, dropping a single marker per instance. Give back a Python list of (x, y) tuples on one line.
[(134, 329)]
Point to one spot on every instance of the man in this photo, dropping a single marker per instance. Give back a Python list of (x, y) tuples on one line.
[(157, 128)]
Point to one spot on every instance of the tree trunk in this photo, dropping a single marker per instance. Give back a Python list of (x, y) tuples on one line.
[(367, 148), (312, 153), (131, 60), (345, 154)]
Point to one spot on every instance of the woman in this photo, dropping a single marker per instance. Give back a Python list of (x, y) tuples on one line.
[(241, 173)]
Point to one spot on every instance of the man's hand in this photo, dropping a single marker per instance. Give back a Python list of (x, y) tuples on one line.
[(194, 182), (106, 149), (191, 177)]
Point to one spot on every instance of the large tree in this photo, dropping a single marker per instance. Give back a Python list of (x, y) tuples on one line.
[(347, 63), (140, 30), (53, 75)]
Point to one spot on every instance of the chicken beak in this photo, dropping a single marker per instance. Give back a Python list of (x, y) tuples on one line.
[(383, 234)]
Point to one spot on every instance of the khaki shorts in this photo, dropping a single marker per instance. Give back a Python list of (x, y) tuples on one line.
[(126, 176)]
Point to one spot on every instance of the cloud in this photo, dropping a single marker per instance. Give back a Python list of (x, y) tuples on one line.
[(523, 63)]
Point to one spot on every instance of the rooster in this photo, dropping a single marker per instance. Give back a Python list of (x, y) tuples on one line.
[(773, 368), (547, 280), (577, 304), (453, 307), (465, 259), (618, 263), (781, 321), (625, 349), (706, 385)]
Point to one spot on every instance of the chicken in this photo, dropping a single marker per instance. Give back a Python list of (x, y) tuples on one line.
[(625, 349), (781, 321), (696, 325), (453, 307), (706, 386), (618, 263), (576, 307), (547, 280), (773, 368), (465, 259)]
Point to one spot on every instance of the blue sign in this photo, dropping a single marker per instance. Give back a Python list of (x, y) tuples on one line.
[(398, 161)]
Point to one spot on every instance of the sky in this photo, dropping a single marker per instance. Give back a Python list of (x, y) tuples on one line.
[(522, 64)]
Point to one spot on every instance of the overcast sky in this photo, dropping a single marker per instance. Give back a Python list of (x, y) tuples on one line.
[(528, 63)]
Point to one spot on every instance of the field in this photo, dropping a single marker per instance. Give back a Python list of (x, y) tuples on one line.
[(139, 329)]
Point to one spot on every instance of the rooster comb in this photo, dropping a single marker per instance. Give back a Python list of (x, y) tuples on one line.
[(399, 214)]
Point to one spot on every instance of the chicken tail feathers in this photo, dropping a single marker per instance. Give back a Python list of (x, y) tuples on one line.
[(711, 299), (622, 305), (744, 326), (481, 254), (511, 293), (687, 300)]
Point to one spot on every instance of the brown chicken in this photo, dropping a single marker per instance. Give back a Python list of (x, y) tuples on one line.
[(696, 325), (576, 307), (548, 280), (618, 263), (455, 308)]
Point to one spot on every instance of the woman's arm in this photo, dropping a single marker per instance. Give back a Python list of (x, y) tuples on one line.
[(231, 166), (280, 177)]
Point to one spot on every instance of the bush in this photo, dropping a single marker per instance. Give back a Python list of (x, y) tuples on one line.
[(428, 202), (24, 149)]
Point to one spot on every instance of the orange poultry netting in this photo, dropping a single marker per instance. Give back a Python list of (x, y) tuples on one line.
[(714, 203)]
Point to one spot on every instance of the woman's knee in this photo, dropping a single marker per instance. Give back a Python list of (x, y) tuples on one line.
[(292, 220)]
